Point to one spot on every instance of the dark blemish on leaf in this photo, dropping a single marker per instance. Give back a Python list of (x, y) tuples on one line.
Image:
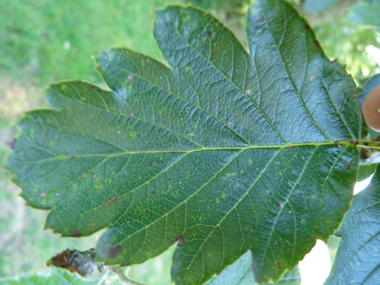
[(307, 27), (339, 145), (317, 43), (57, 194), (131, 78), (132, 114), (91, 86), (76, 234), (253, 269), (289, 148), (248, 92), (72, 157), (83, 175), (336, 142), (97, 68), (113, 197), (365, 143), (192, 7), (352, 142), (312, 78), (42, 194), (209, 33), (95, 176), (173, 152), (356, 96), (47, 208), (97, 90), (12, 143), (93, 225), (138, 135), (150, 163), (323, 130), (347, 165), (181, 240), (225, 127), (107, 204), (280, 205), (115, 251), (125, 201), (289, 232), (357, 142), (154, 193), (332, 61)]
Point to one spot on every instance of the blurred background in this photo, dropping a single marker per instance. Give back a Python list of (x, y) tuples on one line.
[(44, 41)]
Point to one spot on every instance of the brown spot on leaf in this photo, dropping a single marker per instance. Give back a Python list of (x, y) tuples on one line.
[(47, 208), (347, 165), (12, 143), (280, 205), (93, 225), (95, 176), (312, 78), (289, 148), (192, 7), (209, 33), (365, 143), (138, 135), (130, 78), (289, 232), (336, 142), (91, 86), (76, 234), (352, 142), (150, 163), (323, 130), (307, 27), (253, 269), (132, 114), (181, 240), (115, 251), (107, 204), (113, 197), (317, 43), (154, 193), (334, 60), (225, 127), (72, 157), (173, 152), (357, 142), (42, 194), (125, 201)]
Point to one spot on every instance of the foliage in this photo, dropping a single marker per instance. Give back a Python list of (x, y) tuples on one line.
[(357, 258), (366, 13), (217, 155), (240, 273), (57, 276), (312, 6)]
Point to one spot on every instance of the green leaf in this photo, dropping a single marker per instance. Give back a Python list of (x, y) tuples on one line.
[(222, 153), (312, 6), (357, 260), (240, 273), (366, 171), (366, 13), (57, 276)]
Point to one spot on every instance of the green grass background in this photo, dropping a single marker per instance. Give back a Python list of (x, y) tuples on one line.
[(44, 41)]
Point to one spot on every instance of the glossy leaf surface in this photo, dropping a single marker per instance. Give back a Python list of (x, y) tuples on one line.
[(357, 260), (225, 151), (240, 273)]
